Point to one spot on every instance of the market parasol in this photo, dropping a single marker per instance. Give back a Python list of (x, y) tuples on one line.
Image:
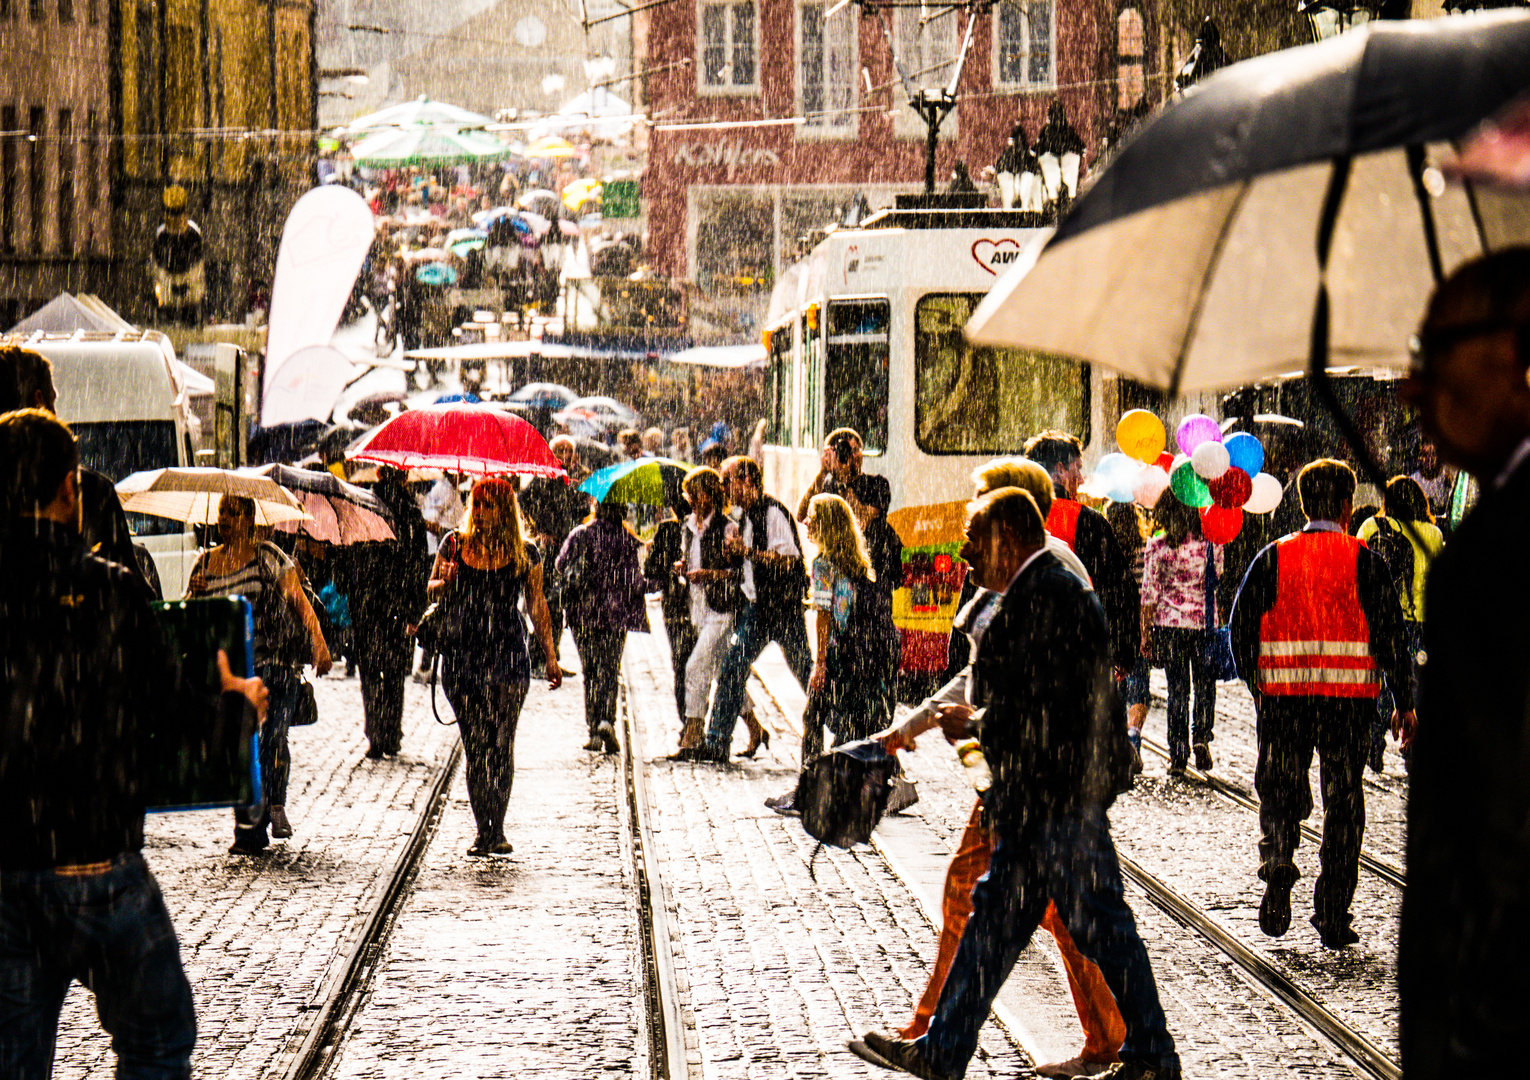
[(427, 144), (422, 110)]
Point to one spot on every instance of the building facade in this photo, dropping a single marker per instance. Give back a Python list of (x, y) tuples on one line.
[(218, 97), (54, 222), (769, 116)]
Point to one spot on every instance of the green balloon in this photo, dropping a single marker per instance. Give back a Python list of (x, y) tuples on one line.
[(1188, 487)]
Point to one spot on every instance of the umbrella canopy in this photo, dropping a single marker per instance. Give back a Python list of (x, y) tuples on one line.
[(550, 146), (192, 495), (638, 481), (581, 191), (427, 144), (476, 439), (421, 110), (341, 513), (544, 395), (461, 241), (1235, 190)]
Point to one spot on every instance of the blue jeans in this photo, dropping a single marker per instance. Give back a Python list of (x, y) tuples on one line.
[(1069, 860), (751, 634), (111, 932), (250, 822)]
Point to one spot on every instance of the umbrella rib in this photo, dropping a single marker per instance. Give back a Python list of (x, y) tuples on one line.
[(1200, 297), (1414, 155)]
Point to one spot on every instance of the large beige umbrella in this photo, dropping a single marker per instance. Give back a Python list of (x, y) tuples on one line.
[(191, 495)]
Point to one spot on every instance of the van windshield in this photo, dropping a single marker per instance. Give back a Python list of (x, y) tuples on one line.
[(120, 447)]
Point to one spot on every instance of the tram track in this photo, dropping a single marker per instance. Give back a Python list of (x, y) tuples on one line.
[(345, 991), (1387, 871)]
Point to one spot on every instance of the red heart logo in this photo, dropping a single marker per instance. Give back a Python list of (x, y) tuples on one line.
[(995, 255)]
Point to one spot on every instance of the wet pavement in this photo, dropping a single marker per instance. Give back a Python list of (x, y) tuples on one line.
[(532, 965)]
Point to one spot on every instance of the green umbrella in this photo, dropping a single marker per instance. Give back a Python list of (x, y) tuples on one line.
[(639, 481), (427, 144)]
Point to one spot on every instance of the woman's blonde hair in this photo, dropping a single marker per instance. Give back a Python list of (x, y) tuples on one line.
[(833, 528), (508, 538)]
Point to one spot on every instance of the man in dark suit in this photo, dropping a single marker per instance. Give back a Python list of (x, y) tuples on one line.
[(1465, 939), (1053, 736)]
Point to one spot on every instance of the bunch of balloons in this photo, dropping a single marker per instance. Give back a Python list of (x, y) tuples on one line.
[(1218, 476)]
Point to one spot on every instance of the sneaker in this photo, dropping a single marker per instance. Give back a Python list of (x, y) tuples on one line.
[(1139, 1070), (1136, 760), (1203, 760), (1275, 908), (499, 847), (783, 804), (1177, 766), (243, 849), (1335, 937), (607, 735), (596, 743), (891, 1052), (281, 828), (1073, 1067)]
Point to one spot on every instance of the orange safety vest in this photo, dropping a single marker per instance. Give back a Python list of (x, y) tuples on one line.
[(1315, 641), (1062, 520)]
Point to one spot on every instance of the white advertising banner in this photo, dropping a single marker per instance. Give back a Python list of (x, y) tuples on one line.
[(324, 243)]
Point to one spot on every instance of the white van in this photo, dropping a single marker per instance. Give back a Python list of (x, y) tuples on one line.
[(124, 396)]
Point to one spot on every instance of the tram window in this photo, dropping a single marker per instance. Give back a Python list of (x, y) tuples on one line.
[(779, 384), (979, 400), (855, 370)]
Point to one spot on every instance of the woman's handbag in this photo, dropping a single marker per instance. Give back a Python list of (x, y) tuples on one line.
[(1218, 654), (307, 711), (440, 628)]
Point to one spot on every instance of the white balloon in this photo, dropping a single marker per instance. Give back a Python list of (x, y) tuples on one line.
[(1266, 495), (1210, 460), (1148, 486)]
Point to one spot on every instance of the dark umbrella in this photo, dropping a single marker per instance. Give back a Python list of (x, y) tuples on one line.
[(1277, 192), (284, 442), (339, 513)]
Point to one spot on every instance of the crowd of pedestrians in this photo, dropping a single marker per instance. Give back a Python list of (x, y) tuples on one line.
[(1063, 610)]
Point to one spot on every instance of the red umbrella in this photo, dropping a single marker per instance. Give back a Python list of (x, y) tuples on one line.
[(479, 440)]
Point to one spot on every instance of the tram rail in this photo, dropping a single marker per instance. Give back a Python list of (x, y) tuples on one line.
[(1387, 871)]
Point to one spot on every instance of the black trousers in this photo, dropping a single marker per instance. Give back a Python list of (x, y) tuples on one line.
[(600, 659), (384, 668), (1290, 729), (487, 716), (682, 642)]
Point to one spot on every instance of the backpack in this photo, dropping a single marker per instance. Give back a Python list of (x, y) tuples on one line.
[(1392, 544), (841, 795)]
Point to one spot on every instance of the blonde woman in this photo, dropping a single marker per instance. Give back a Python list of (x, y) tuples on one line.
[(855, 631), (490, 564)]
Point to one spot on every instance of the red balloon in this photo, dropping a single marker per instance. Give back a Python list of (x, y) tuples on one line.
[(1165, 462), (1220, 525), (1231, 489)]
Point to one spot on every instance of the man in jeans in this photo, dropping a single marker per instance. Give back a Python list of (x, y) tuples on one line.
[(774, 585), (84, 673)]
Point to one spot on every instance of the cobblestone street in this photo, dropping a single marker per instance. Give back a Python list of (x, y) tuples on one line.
[(532, 965)]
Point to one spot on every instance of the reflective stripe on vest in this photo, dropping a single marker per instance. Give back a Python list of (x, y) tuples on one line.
[(1315, 641), (1062, 520)]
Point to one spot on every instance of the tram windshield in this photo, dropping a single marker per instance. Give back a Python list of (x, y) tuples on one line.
[(973, 399)]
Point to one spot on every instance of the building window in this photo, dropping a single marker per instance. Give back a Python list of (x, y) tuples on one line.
[(826, 76), (37, 9), (37, 125), (66, 181), (66, 11), (1131, 47), (1024, 42), (728, 61), (928, 54)]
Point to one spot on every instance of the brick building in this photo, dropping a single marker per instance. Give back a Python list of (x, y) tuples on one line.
[(54, 232), (769, 115)]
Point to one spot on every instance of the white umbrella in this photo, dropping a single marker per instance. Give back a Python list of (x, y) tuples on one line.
[(192, 495)]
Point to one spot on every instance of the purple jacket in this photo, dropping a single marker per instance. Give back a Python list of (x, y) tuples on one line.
[(602, 582)]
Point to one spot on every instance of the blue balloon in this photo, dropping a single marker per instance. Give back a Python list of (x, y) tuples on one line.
[(1244, 452), (1121, 493)]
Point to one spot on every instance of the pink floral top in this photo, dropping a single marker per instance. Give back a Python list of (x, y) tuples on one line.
[(1174, 582)]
